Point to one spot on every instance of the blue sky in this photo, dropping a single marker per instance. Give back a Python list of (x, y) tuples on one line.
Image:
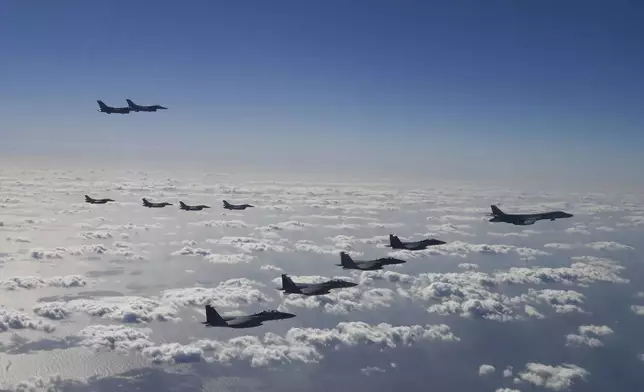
[(448, 83)]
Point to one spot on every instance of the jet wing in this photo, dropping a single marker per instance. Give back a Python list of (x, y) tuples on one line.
[(528, 221)]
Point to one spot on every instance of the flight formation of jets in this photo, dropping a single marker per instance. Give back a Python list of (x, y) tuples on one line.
[(131, 107), (289, 287)]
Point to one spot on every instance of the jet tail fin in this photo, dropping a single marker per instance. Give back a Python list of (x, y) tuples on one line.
[(496, 210), (226, 204), (101, 104), (214, 318), (87, 198), (346, 261), (288, 285), (145, 202), (394, 241), (182, 204), (130, 103)]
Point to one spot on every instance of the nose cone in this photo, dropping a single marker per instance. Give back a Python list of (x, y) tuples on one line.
[(567, 215), (349, 284), (287, 315), (439, 242)]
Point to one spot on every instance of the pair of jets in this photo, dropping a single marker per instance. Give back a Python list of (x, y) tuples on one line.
[(214, 319), (131, 107), (183, 206)]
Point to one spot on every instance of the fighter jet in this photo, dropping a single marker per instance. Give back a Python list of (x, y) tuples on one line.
[(214, 319), (148, 204), (137, 108), (96, 201), (229, 206), (396, 243), (525, 219), (109, 110), (186, 207), (290, 287), (366, 265)]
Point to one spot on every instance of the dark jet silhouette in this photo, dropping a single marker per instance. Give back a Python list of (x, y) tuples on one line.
[(366, 265), (149, 204), (96, 201), (138, 108), (526, 219), (186, 207), (396, 243), (109, 110), (214, 319), (229, 206), (290, 287)]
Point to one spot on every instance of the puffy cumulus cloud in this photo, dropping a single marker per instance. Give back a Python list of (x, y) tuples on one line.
[(449, 228), (344, 301), (578, 229), (562, 301), (310, 246), (468, 266), (463, 249), (290, 225), (588, 336), (585, 270), (231, 293), (251, 244), (557, 378), (116, 337), (123, 309), (83, 250), (507, 390), (638, 309), (12, 319), (270, 267), (298, 345), (32, 282), (344, 226), (477, 295), (608, 246), (95, 235), (215, 258), (228, 224), (485, 370)]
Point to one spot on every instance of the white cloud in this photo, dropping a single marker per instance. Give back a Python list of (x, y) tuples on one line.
[(123, 309), (231, 293), (32, 282), (485, 370), (299, 344), (557, 378), (12, 319), (588, 336)]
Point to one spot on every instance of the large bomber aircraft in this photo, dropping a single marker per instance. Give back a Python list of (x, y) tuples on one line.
[(149, 204), (186, 207), (290, 287), (366, 265), (96, 201), (214, 319), (138, 108), (526, 219), (229, 206), (109, 110), (396, 243)]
